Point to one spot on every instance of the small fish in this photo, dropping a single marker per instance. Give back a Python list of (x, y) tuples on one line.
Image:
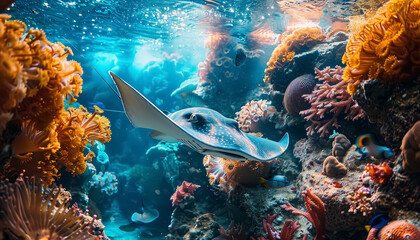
[(368, 142), (101, 105), (377, 222), (240, 57), (277, 181), (335, 133), (192, 99)]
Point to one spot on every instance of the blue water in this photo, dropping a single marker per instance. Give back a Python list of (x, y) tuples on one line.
[(154, 45)]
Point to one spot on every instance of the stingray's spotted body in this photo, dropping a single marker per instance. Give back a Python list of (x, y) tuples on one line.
[(204, 130)]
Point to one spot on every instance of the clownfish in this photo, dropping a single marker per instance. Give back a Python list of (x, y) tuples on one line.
[(367, 143), (276, 181)]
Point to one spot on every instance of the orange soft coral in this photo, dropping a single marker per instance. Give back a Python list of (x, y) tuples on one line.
[(291, 42), (379, 174), (73, 130), (386, 46), (35, 75), (227, 174)]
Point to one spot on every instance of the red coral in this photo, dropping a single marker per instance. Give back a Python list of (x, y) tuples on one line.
[(315, 212), (329, 97), (286, 233), (379, 174), (186, 189)]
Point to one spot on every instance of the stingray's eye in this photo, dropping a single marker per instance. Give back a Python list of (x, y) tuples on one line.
[(194, 118)]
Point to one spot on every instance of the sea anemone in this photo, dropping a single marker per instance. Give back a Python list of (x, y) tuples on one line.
[(32, 211)]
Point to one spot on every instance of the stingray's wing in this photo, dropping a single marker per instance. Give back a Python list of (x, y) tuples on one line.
[(143, 114)]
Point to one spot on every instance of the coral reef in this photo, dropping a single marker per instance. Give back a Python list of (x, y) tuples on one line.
[(233, 232), (32, 211), (333, 168), (379, 174), (299, 39), (315, 212), (328, 100), (293, 97), (410, 149), (226, 174), (252, 114), (181, 192), (384, 46)]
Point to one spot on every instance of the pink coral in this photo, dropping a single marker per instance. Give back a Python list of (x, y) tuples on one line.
[(186, 189), (329, 98), (252, 113), (360, 201), (315, 212)]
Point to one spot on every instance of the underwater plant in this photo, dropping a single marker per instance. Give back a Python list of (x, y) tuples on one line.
[(328, 100), (289, 43), (30, 210), (226, 174), (252, 114), (385, 46), (315, 212)]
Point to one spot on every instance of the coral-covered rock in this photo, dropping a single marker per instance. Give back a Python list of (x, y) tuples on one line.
[(410, 149), (333, 168), (340, 146), (293, 97), (253, 114)]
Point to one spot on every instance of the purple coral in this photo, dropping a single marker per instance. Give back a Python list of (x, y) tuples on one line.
[(252, 113), (330, 97)]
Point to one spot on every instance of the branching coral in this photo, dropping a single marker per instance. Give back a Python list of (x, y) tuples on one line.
[(379, 174), (286, 233), (290, 43), (384, 47), (226, 174), (252, 113), (233, 232), (360, 201), (32, 211), (315, 212), (36, 75), (74, 129), (181, 192), (328, 100)]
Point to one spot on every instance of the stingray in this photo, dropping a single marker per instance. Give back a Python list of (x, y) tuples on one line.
[(147, 216), (202, 129)]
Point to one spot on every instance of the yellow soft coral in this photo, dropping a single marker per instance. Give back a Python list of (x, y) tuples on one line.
[(386, 46), (290, 43)]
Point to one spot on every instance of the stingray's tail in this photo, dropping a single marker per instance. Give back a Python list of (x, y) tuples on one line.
[(284, 142)]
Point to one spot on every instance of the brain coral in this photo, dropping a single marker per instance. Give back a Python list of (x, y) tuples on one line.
[(293, 100), (386, 46), (410, 149), (291, 42), (399, 230)]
